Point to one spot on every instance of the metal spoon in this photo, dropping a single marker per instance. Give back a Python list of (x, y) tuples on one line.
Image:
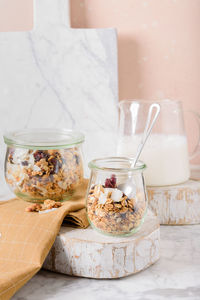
[(127, 187)]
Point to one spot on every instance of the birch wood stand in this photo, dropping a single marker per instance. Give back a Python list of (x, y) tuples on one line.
[(176, 205), (87, 253)]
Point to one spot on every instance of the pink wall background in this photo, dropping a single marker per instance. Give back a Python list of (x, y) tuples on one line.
[(16, 15), (159, 44)]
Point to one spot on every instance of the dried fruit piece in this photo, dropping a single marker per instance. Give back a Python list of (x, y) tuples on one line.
[(56, 164), (111, 182), (39, 155)]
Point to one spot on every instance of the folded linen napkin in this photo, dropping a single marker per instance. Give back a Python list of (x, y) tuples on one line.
[(26, 238)]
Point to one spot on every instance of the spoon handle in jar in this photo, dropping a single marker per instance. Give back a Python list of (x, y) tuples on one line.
[(148, 127)]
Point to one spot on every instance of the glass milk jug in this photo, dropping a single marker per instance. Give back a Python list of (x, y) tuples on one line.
[(166, 151)]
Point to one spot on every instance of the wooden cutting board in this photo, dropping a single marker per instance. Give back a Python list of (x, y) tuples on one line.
[(87, 253)]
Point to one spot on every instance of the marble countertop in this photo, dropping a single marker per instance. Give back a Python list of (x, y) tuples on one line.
[(175, 276)]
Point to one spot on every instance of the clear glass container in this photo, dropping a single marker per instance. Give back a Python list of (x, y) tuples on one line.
[(116, 196), (166, 151), (43, 164)]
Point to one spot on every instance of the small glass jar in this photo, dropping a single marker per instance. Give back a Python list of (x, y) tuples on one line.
[(116, 197), (43, 164)]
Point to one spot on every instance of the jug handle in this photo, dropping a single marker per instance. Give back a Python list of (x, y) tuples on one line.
[(196, 150)]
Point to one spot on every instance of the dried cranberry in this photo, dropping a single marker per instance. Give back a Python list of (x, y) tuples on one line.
[(39, 155), (56, 165), (111, 182), (113, 179), (53, 161), (24, 163)]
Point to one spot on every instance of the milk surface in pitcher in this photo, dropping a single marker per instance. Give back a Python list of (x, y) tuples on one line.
[(166, 157)]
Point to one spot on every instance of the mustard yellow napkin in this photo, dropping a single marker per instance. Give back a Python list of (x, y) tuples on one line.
[(26, 238)]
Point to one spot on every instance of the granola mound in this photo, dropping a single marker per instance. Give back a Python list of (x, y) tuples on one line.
[(36, 175), (111, 211)]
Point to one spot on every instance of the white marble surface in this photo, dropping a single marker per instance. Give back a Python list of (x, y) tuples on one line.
[(175, 276), (56, 76)]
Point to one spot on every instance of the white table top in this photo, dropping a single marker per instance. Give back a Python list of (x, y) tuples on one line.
[(175, 276)]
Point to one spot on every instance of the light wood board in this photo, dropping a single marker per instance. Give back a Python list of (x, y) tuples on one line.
[(87, 253), (176, 205)]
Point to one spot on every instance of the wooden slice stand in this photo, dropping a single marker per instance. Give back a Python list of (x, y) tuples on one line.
[(176, 205), (87, 253)]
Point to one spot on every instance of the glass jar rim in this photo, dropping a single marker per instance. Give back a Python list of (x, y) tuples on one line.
[(94, 164), (44, 138)]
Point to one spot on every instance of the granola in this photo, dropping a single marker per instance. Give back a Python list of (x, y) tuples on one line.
[(48, 204), (111, 211), (36, 175)]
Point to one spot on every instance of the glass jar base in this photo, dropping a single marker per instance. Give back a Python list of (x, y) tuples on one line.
[(118, 234)]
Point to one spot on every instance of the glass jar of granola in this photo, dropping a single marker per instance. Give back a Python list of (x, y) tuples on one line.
[(116, 197), (43, 163)]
